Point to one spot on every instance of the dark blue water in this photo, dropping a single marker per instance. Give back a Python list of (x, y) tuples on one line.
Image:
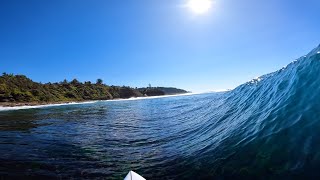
[(268, 128)]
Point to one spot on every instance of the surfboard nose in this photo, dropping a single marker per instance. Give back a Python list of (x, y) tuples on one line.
[(133, 176)]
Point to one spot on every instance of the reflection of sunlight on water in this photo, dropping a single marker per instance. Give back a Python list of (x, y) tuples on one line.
[(116, 131), (108, 135)]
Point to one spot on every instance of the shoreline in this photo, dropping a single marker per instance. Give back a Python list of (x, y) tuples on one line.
[(20, 104), (155, 97), (7, 106), (33, 105)]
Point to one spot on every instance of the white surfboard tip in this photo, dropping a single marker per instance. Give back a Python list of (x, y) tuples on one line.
[(133, 176)]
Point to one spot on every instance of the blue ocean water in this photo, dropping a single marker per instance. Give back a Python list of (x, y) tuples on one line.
[(268, 128)]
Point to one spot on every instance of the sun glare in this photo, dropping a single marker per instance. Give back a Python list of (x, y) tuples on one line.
[(199, 6)]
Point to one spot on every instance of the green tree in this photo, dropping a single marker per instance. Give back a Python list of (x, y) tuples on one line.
[(99, 81), (75, 82), (64, 82), (3, 88), (19, 88)]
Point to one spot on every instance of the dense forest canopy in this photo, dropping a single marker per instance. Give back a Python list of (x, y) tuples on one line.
[(19, 88)]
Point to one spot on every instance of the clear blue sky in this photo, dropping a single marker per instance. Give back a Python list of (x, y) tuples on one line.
[(136, 42)]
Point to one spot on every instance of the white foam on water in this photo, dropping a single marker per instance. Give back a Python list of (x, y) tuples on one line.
[(43, 106), (151, 97), (255, 80), (90, 102), (219, 90), (165, 96)]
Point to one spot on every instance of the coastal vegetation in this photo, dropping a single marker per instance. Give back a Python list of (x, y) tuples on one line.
[(19, 88)]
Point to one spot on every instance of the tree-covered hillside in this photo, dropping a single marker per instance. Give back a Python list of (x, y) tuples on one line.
[(19, 88), (163, 90)]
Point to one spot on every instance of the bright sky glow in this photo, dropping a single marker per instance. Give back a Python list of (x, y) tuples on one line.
[(199, 6)]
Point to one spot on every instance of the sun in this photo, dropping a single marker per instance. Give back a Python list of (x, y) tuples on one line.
[(199, 6)]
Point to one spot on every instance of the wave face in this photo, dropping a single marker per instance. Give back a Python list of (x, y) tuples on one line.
[(265, 129)]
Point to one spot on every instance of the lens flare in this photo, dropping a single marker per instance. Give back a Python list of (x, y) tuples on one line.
[(199, 6)]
